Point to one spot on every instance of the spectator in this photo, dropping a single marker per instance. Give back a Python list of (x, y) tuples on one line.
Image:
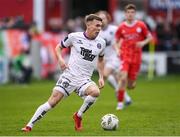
[(21, 68), (177, 36)]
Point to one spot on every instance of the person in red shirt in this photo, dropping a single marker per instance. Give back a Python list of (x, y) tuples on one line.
[(131, 36)]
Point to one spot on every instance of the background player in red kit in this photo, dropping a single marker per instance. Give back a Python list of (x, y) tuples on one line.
[(131, 36)]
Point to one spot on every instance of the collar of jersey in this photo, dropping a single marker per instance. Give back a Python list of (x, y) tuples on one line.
[(84, 33)]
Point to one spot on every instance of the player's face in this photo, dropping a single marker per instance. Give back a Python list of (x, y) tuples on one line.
[(104, 19), (130, 14), (93, 28)]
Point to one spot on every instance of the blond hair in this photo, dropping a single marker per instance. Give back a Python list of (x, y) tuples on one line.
[(92, 17), (130, 6)]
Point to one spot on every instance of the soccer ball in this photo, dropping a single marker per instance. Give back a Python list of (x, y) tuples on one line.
[(109, 122)]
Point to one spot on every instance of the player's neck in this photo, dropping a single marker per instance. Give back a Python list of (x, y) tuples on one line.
[(88, 35), (130, 22)]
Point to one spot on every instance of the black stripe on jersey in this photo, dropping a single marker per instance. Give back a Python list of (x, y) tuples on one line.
[(64, 89), (65, 38), (62, 44)]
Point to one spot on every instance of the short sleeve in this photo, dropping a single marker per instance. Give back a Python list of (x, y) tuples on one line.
[(118, 33), (145, 30), (103, 50), (67, 42)]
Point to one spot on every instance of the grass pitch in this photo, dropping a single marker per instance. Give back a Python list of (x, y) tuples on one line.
[(155, 110)]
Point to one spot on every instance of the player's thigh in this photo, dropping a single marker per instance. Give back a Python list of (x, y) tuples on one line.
[(123, 78), (124, 69), (92, 90), (123, 74), (88, 88), (55, 97), (107, 71), (133, 73), (112, 64)]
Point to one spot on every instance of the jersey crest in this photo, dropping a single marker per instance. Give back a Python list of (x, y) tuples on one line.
[(138, 30), (99, 46)]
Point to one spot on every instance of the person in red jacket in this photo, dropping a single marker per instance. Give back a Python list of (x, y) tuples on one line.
[(131, 36)]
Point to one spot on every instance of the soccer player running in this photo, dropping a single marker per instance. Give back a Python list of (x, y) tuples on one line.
[(111, 68), (131, 36), (87, 51)]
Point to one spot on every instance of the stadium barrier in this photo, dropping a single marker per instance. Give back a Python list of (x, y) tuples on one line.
[(45, 61), (159, 66)]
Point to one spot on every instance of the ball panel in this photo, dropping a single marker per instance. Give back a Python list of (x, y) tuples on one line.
[(109, 122)]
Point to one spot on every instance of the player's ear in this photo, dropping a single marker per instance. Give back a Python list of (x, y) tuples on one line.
[(88, 23)]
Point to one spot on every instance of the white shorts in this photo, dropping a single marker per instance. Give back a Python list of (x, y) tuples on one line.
[(112, 62), (67, 84)]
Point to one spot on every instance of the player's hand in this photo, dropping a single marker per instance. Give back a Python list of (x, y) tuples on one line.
[(63, 65), (101, 83), (140, 44), (117, 50)]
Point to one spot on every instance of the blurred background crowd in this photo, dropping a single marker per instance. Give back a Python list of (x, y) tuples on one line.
[(30, 30)]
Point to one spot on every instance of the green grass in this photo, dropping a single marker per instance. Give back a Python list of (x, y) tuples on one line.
[(155, 110)]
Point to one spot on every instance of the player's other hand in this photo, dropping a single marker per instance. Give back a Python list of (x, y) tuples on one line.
[(101, 83), (117, 49), (140, 44), (63, 65), (119, 52)]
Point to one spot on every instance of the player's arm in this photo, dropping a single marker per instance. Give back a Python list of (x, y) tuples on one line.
[(117, 46), (146, 34), (145, 41), (67, 42), (118, 40), (62, 63), (100, 68)]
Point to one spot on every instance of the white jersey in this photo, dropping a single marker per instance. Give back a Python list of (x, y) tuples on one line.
[(108, 34), (111, 57), (84, 54)]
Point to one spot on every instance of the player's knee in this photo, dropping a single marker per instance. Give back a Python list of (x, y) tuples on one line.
[(105, 75), (55, 98), (52, 103), (92, 91), (123, 82), (95, 92), (131, 85)]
